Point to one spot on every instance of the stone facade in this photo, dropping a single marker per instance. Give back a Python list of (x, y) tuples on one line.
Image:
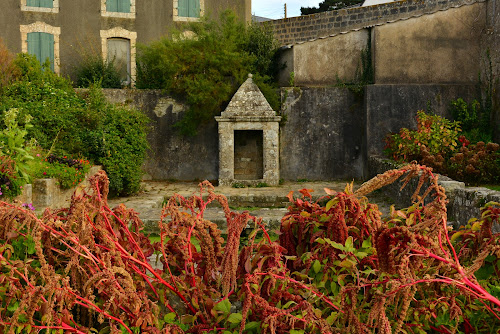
[(79, 24), (248, 110)]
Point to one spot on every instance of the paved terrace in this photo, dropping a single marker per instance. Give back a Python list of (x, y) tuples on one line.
[(270, 203)]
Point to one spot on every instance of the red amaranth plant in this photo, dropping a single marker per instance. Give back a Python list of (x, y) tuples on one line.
[(339, 268)]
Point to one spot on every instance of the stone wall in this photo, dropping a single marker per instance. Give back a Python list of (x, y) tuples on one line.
[(441, 47), (391, 107), (309, 27), (325, 61), (491, 42), (322, 137), (322, 134), (172, 156)]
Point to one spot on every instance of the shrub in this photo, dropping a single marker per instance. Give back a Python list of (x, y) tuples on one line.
[(10, 182), (68, 172), (94, 69), (206, 70), (67, 124), (438, 135), (476, 164), (8, 70), (474, 120), (13, 142)]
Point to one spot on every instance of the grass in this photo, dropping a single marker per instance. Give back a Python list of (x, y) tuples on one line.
[(244, 208), (156, 238), (495, 187)]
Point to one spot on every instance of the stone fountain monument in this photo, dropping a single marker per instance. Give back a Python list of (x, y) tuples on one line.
[(248, 139)]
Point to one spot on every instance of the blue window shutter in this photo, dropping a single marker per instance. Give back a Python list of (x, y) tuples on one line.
[(33, 3), (46, 3), (47, 49), (183, 8), (34, 45), (123, 6), (112, 5), (194, 8)]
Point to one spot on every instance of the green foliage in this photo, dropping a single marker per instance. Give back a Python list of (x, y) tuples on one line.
[(473, 118), (364, 72), (328, 5), (435, 134), (476, 164), (67, 124), (8, 70), (205, 69), (436, 143), (67, 176), (118, 142), (94, 69), (10, 182), (13, 142)]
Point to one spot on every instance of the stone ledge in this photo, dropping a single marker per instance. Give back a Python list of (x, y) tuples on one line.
[(45, 193), (464, 202)]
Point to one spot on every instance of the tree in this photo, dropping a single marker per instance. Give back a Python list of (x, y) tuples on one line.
[(329, 5), (205, 70)]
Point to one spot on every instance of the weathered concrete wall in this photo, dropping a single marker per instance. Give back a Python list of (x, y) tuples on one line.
[(325, 61), (326, 132), (443, 47), (464, 202), (323, 135), (172, 156), (309, 27), (491, 42), (391, 107)]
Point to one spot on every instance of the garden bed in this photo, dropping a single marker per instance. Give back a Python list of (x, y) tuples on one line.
[(46, 193)]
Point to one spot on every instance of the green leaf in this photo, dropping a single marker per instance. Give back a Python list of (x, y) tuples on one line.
[(361, 255), (170, 317), (30, 244), (13, 307), (316, 266), (349, 245), (296, 331), (252, 325), (224, 306), (367, 243), (320, 241), (235, 318), (331, 203)]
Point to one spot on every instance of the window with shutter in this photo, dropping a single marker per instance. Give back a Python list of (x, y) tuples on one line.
[(41, 45), (194, 8), (40, 3), (189, 8), (183, 8), (118, 6)]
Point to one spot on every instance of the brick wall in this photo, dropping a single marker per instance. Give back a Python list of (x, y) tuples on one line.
[(304, 28)]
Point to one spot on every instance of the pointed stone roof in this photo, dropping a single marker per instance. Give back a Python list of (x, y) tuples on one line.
[(248, 101)]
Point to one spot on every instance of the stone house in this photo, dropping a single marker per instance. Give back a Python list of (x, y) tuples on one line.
[(64, 31)]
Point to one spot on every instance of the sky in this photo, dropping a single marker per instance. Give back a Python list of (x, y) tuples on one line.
[(274, 9)]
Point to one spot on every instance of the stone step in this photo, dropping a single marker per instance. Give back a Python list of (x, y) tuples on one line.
[(271, 218)]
